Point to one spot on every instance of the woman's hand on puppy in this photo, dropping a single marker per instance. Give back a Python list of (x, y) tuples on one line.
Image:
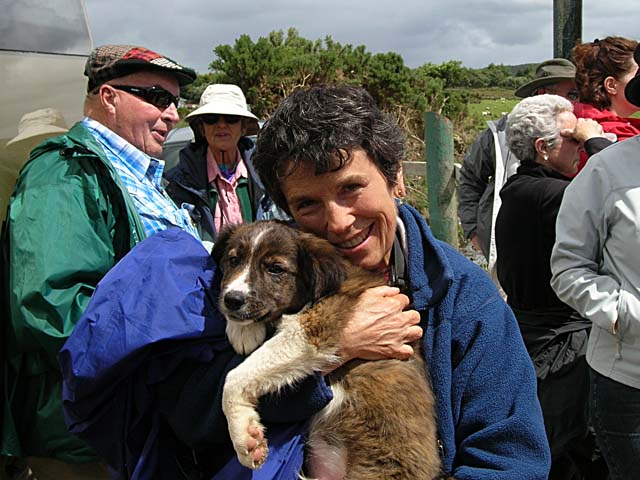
[(381, 327)]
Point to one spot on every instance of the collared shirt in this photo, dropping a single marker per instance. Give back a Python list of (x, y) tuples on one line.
[(228, 209), (142, 176)]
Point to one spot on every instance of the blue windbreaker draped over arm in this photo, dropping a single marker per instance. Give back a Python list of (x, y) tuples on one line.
[(155, 310)]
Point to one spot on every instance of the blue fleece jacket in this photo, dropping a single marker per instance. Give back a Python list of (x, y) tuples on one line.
[(150, 350)]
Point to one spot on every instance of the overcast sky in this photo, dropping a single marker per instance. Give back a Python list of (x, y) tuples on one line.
[(475, 32)]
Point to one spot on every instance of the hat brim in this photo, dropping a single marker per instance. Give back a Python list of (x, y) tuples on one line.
[(632, 91), (528, 88), (225, 109), (37, 131)]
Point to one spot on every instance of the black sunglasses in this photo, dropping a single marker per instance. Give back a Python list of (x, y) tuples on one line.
[(212, 118), (156, 96)]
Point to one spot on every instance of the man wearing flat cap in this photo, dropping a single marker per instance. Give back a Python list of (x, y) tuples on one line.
[(83, 200), (488, 163)]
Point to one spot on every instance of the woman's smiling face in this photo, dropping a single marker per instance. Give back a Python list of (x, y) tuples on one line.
[(353, 208)]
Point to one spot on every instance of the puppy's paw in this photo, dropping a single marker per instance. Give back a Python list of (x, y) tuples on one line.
[(247, 435), (257, 448)]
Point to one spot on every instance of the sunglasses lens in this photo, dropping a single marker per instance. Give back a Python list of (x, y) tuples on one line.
[(156, 96), (210, 119), (161, 98), (213, 118)]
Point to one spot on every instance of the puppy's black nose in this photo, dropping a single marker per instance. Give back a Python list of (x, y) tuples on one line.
[(234, 300)]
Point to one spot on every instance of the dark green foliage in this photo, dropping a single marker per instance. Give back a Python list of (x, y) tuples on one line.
[(274, 66)]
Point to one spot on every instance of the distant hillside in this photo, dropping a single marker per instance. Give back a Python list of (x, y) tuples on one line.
[(522, 69)]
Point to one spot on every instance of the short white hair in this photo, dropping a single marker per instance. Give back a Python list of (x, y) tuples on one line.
[(533, 118)]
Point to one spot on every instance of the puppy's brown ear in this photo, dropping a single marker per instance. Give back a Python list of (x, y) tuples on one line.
[(221, 242), (321, 267)]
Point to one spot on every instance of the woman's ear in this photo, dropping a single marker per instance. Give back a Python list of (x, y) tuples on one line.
[(611, 85), (541, 146), (243, 130)]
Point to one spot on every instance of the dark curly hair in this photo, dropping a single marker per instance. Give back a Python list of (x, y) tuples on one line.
[(597, 60), (320, 127)]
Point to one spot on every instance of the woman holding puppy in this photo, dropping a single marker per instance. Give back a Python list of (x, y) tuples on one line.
[(329, 157)]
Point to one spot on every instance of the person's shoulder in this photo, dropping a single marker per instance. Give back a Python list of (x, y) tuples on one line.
[(554, 186), (473, 305), (484, 136), (618, 161), (467, 276), (246, 144), (47, 156), (191, 161), (622, 150)]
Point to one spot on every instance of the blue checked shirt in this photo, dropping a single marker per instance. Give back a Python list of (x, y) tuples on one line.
[(142, 177)]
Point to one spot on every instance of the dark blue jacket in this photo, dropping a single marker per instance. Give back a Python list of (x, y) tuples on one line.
[(152, 340)]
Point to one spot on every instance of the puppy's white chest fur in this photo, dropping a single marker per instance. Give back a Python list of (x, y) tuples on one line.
[(246, 338)]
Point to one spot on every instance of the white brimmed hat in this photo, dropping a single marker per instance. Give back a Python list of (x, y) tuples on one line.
[(39, 123), (225, 99)]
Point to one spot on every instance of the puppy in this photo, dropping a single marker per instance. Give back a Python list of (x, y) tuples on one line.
[(381, 422)]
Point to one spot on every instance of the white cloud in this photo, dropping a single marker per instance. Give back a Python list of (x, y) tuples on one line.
[(473, 31)]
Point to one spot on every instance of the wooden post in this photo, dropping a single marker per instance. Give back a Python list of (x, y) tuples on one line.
[(567, 26), (441, 178)]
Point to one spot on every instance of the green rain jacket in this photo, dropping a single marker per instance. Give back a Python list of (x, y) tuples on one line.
[(69, 221)]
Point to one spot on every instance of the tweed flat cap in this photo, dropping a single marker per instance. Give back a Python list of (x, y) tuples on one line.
[(112, 61)]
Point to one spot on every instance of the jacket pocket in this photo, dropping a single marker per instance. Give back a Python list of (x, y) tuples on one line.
[(628, 314)]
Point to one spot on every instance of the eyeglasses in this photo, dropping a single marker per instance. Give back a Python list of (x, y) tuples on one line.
[(156, 96), (573, 95), (212, 118)]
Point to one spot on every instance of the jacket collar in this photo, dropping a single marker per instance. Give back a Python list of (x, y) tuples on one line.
[(77, 137), (533, 169), (430, 274)]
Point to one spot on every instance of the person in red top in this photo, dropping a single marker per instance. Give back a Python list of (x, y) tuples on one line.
[(603, 69)]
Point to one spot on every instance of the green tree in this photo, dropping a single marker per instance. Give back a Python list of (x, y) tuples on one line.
[(274, 66)]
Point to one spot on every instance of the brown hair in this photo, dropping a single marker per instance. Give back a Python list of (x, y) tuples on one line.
[(597, 60)]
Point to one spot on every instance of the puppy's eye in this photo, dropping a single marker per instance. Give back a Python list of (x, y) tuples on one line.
[(275, 269), (233, 261)]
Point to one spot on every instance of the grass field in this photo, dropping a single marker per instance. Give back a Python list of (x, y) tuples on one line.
[(492, 104)]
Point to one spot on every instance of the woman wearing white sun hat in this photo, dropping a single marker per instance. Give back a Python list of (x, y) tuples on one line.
[(214, 173), (34, 127)]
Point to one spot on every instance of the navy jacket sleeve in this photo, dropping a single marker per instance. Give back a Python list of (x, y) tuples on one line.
[(596, 144)]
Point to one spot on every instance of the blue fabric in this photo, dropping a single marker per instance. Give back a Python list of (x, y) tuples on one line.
[(489, 417), (286, 445), (150, 315)]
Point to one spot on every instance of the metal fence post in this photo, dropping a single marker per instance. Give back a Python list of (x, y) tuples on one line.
[(441, 182)]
